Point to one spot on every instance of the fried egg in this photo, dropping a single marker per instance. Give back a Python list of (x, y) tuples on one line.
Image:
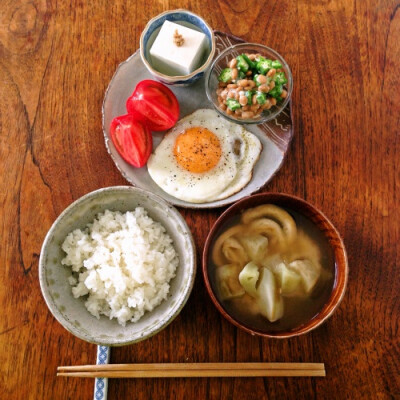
[(204, 158)]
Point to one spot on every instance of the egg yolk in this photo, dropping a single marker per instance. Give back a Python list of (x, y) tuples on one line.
[(197, 149)]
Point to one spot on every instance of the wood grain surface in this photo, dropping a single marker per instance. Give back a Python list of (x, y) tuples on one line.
[(56, 59)]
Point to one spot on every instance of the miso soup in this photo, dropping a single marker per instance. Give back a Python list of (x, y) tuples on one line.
[(289, 274)]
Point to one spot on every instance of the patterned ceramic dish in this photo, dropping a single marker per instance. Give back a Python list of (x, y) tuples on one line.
[(182, 17), (321, 222), (221, 62), (275, 135), (71, 312)]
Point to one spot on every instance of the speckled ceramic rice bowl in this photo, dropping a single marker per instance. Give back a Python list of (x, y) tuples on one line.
[(57, 291)]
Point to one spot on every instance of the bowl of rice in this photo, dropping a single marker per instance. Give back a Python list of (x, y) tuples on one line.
[(117, 266)]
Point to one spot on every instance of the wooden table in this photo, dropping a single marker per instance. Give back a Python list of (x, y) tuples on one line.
[(56, 60)]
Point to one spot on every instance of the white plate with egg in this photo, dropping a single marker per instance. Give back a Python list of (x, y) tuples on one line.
[(273, 137)]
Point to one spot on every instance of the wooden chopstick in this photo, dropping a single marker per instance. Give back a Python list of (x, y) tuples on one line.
[(192, 370), (193, 366)]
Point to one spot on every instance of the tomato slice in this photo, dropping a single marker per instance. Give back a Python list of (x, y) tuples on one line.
[(153, 104), (132, 139)]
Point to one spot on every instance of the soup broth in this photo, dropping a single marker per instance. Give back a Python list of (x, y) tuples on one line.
[(298, 309)]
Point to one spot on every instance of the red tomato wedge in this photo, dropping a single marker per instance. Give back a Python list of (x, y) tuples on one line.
[(132, 139), (153, 104)]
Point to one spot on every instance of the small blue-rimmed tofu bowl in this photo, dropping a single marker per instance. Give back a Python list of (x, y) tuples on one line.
[(185, 18)]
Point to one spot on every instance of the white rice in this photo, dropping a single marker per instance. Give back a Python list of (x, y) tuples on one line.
[(122, 262)]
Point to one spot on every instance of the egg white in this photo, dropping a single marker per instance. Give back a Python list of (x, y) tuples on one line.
[(251, 152), (232, 172)]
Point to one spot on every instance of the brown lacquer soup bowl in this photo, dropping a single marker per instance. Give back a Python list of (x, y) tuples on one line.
[(282, 293)]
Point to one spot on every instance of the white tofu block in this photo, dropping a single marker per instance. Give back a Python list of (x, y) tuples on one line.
[(170, 59)]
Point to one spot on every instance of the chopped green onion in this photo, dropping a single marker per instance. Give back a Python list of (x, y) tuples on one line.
[(241, 75), (263, 66), (252, 64), (249, 95), (255, 79), (242, 65), (276, 91), (261, 97), (232, 104), (225, 75), (280, 78), (276, 64)]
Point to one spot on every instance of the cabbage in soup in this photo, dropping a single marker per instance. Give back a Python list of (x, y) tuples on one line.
[(271, 268)]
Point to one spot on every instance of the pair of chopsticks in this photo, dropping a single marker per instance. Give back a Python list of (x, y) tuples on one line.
[(193, 370)]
